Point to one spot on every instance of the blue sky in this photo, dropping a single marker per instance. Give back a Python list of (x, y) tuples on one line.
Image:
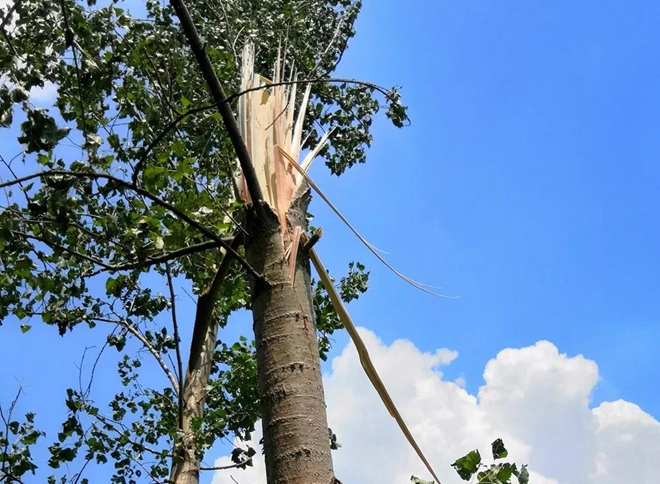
[(527, 185)]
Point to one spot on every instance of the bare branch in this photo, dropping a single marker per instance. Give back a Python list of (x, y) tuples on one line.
[(177, 339), (231, 466)]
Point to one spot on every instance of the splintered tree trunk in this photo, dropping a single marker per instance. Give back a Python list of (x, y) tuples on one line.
[(295, 428)]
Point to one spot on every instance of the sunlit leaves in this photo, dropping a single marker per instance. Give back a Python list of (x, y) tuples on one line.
[(499, 473)]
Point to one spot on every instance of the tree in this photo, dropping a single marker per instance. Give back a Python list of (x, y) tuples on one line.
[(127, 187)]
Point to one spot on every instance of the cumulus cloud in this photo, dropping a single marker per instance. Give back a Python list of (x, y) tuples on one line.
[(535, 398)]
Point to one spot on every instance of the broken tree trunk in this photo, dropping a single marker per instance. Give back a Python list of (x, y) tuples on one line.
[(295, 428), (186, 465)]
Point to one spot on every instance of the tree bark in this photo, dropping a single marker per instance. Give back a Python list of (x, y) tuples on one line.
[(295, 428), (185, 470)]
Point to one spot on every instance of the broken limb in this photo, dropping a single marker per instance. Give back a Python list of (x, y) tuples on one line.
[(365, 359)]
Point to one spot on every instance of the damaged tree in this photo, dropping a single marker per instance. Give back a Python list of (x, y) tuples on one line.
[(295, 427), (147, 190)]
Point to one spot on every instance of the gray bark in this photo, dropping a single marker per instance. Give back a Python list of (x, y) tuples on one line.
[(295, 428)]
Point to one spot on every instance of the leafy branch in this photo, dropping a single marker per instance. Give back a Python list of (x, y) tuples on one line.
[(118, 182)]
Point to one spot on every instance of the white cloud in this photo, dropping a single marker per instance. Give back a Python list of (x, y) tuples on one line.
[(43, 96), (535, 398)]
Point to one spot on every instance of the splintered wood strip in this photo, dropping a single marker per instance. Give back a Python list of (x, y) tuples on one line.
[(365, 359), (290, 94), (421, 286), (307, 162), (296, 140), (295, 242), (285, 183)]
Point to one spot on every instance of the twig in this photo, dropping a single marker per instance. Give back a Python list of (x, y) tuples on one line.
[(165, 257), (224, 468), (11, 11), (418, 285), (135, 332), (65, 249), (173, 124), (5, 21), (6, 463), (177, 339), (80, 473), (111, 425)]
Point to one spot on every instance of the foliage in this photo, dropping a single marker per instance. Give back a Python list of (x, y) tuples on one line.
[(122, 190), (497, 473), (16, 439)]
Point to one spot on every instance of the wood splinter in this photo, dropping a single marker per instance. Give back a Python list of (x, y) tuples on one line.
[(309, 242)]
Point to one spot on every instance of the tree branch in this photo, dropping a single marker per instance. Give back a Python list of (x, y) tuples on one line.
[(227, 467), (177, 339), (166, 256), (218, 95), (153, 198), (11, 11), (134, 331), (205, 306), (173, 124), (65, 249)]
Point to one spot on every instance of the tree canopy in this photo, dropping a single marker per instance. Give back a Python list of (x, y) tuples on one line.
[(118, 203)]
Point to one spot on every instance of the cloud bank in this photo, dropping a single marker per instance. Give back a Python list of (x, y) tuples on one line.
[(535, 398)]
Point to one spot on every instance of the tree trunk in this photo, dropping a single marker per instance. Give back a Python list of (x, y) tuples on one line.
[(185, 469), (295, 428)]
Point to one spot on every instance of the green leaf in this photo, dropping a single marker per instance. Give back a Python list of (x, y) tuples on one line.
[(18, 94), (498, 449), (467, 465), (417, 480), (523, 476), (25, 328), (505, 472)]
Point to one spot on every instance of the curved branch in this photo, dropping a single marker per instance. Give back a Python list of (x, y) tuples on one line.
[(174, 123), (135, 332)]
